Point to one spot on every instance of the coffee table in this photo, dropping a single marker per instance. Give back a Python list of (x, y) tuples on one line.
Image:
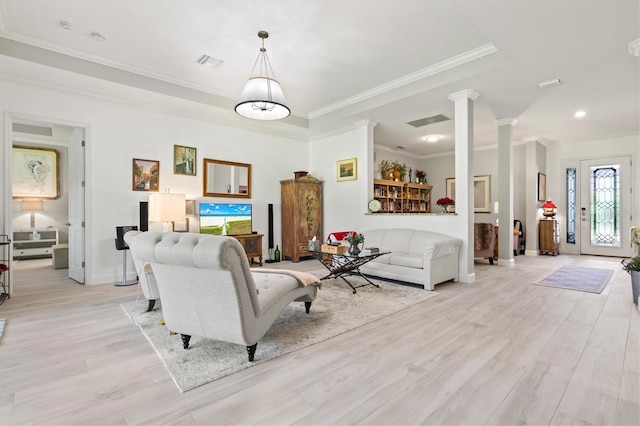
[(340, 265)]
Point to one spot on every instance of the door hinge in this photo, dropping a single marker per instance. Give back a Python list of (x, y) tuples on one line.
[(83, 263), (83, 224), (82, 144), (83, 184)]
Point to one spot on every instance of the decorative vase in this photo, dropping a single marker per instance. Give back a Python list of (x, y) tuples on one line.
[(354, 250), (635, 286), (396, 174), (445, 208)]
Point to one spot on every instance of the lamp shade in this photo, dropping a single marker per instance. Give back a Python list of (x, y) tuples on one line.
[(549, 205), (164, 207), (262, 99), (32, 206)]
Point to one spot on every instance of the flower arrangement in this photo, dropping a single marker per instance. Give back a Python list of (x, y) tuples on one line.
[(632, 264), (3, 268), (446, 201), (354, 238), (420, 174)]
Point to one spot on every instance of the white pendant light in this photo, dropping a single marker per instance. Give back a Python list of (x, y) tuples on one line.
[(262, 97)]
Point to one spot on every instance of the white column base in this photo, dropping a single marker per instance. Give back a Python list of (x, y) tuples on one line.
[(531, 252), (507, 262)]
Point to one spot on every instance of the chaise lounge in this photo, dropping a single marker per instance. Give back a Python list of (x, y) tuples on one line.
[(207, 288)]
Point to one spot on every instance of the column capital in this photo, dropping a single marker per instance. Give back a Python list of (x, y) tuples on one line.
[(464, 94), (367, 123), (507, 122)]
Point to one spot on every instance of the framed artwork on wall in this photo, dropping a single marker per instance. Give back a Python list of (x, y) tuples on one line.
[(36, 173), (184, 160), (146, 175), (481, 193), (347, 169), (542, 187)]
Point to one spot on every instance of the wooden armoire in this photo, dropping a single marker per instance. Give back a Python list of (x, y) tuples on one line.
[(301, 216)]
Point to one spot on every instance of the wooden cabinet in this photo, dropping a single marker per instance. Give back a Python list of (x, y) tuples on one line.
[(301, 216), (399, 197), (549, 237), (252, 245), (34, 242)]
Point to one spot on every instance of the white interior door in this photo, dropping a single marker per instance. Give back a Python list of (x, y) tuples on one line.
[(605, 206), (76, 206)]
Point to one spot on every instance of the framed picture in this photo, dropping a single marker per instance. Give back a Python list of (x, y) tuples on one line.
[(481, 193), (36, 173), (542, 187), (347, 169), (184, 160), (146, 175)]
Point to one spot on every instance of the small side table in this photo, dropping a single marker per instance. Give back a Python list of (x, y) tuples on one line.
[(549, 237)]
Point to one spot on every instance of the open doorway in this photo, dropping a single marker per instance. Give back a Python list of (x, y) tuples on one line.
[(47, 196)]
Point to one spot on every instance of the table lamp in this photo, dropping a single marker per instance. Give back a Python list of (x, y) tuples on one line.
[(166, 207), (32, 206)]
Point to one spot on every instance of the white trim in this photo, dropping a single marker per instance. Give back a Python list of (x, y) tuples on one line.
[(445, 65)]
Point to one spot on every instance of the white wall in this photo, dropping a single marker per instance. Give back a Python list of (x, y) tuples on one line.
[(117, 132)]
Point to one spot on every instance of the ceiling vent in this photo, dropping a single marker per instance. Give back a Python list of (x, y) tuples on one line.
[(400, 147), (428, 120)]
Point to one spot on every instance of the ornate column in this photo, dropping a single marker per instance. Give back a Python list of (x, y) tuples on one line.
[(505, 191)]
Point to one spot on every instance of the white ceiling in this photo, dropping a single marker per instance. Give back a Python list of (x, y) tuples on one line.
[(343, 61)]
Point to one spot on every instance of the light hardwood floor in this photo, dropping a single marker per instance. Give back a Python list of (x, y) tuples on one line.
[(499, 351)]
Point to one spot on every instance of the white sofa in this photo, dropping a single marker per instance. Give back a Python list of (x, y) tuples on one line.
[(419, 257), (208, 290)]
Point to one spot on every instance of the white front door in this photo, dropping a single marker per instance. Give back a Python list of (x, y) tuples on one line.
[(605, 206), (76, 206)]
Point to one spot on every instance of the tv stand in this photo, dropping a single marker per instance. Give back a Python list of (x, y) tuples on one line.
[(252, 245)]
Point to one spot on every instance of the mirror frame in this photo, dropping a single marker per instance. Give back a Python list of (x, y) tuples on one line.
[(206, 193)]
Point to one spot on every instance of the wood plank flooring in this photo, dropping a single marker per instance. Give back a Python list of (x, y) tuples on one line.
[(499, 351)]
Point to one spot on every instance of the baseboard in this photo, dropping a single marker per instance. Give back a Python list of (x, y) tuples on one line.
[(468, 278), (531, 253)]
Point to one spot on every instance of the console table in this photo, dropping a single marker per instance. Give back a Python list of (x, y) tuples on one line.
[(252, 245), (34, 242)]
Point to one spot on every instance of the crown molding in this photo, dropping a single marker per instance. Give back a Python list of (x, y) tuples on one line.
[(445, 65)]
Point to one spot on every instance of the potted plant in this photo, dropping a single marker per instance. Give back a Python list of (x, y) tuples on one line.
[(399, 171), (354, 239), (385, 169), (445, 203), (632, 266)]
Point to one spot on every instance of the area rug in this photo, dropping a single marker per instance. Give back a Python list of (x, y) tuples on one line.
[(335, 311), (578, 278)]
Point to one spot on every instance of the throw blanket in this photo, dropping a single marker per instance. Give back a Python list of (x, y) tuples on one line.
[(303, 278), (483, 234)]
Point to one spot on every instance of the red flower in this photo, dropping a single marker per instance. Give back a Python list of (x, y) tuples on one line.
[(3, 268), (446, 201)]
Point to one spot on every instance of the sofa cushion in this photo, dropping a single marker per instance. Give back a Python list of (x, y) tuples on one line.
[(407, 260), (272, 287)]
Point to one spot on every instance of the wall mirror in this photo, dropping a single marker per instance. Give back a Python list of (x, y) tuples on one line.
[(226, 179)]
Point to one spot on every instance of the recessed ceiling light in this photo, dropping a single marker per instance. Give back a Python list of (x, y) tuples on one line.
[(549, 83), (97, 36), (432, 138), (579, 114)]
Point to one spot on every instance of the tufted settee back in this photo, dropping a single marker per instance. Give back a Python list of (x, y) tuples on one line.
[(205, 283)]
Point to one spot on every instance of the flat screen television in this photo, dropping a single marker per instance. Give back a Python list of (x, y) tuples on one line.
[(225, 219)]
